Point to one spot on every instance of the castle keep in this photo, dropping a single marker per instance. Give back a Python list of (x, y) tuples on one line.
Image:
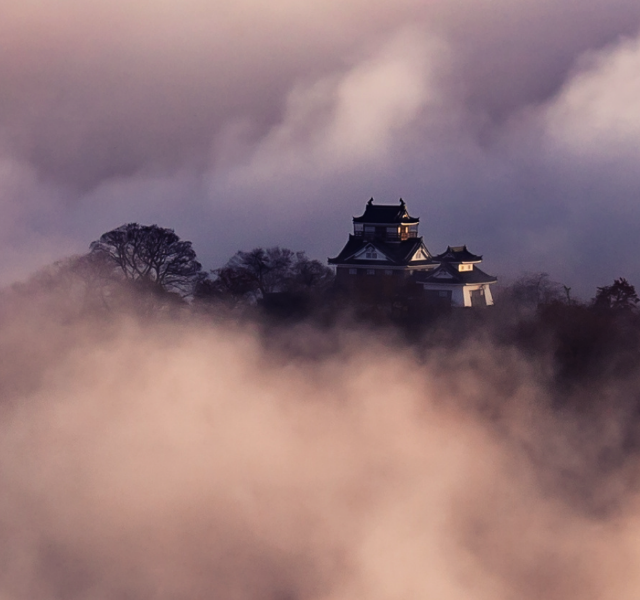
[(386, 258)]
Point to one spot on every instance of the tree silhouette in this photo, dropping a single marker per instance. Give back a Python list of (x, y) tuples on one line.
[(621, 295), (149, 255), (535, 289), (259, 273)]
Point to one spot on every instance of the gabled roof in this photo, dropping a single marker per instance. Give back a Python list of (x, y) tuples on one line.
[(447, 274), (399, 253), (361, 254), (458, 254), (385, 213)]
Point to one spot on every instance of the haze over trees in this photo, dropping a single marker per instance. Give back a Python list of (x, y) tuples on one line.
[(621, 295), (156, 268), (579, 353), (532, 290), (150, 271), (260, 273)]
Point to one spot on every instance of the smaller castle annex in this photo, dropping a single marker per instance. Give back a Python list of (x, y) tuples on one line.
[(386, 258)]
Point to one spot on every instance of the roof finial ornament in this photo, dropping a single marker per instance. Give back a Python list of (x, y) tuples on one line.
[(401, 202), (370, 202)]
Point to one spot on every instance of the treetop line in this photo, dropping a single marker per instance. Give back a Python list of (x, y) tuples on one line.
[(384, 262)]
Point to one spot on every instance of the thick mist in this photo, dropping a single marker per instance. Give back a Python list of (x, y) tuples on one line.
[(192, 456)]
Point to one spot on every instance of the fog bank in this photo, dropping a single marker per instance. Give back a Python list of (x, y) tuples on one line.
[(172, 458)]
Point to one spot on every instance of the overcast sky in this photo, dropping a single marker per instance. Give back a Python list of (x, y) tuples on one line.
[(509, 125)]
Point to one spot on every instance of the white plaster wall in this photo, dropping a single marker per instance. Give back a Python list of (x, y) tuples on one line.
[(461, 295), (466, 295), (487, 295)]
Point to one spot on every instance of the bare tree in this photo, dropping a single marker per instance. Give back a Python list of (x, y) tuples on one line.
[(535, 289), (262, 272), (150, 255)]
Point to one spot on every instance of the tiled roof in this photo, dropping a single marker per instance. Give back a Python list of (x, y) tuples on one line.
[(447, 274), (399, 253), (385, 213), (458, 254)]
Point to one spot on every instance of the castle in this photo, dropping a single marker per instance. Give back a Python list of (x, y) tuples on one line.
[(385, 258)]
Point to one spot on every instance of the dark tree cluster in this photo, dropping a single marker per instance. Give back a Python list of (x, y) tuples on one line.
[(583, 346), (269, 277), (620, 296), (151, 270), (154, 267)]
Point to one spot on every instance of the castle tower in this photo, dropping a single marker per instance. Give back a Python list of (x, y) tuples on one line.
[(383, 251), (385, 257)]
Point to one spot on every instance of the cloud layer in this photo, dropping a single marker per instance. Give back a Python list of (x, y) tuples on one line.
[(507, 125), (185, 459)]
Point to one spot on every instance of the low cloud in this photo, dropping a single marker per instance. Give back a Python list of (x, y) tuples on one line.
[(190, 459), (594, 116), (348, 121), (197, 460)]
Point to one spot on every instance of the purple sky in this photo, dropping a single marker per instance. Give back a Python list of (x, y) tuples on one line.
[(512, 126)]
